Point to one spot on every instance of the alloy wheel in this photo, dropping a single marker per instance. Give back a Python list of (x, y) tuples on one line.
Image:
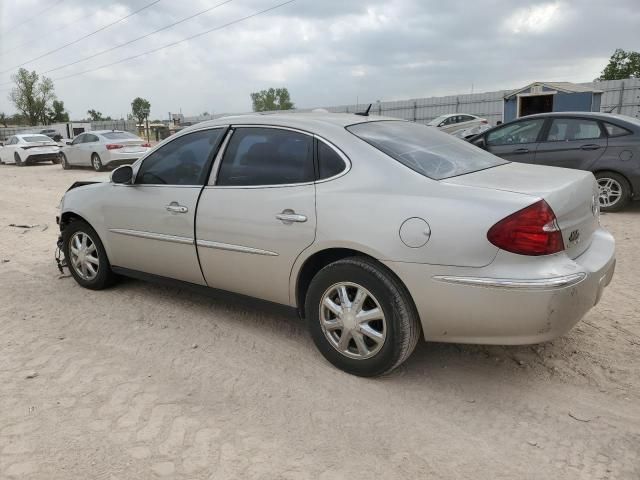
[(352, 320), (610, 191), (97, 164), (84, 256)]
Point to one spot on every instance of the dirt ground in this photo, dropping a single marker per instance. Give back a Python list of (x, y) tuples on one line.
[(144, 381)]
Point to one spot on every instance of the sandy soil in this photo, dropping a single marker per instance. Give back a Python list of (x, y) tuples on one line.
[(143, 381)]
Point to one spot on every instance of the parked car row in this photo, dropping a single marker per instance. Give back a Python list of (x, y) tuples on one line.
[(97, 149)]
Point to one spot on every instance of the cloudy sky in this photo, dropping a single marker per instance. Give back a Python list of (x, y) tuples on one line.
[(326, 52)]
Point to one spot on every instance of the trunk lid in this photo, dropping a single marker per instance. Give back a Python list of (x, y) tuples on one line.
[(571, 194)]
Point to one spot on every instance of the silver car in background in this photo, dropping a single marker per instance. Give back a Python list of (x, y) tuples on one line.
[(29, 148), (102, 149), (377, 230), (455, 123)]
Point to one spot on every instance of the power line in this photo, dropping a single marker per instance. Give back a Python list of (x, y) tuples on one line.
[(133, 40), (220, 27), (27, 20), (82, 38)]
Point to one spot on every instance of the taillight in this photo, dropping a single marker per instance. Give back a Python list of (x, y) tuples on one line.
[(114, 146), (148, 145), (533, 230)]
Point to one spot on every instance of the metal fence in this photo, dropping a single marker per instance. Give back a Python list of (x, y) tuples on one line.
[(620, 96)]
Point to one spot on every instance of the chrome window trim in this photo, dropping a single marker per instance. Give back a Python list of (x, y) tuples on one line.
[(234, 248), (153, 236), (538, 283), (213, 174)]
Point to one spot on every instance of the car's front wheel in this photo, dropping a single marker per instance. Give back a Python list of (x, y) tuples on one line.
[(96, 163), (65, 162), (86, 257), (615, 191), (361, 317)]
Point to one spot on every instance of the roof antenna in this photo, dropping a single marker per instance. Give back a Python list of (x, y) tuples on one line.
[(366, 112)]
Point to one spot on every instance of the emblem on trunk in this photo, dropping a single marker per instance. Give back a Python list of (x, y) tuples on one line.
[(574, 236)]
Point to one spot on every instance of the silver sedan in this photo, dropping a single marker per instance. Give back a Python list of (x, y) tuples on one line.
[(102, 149), (378, 231)]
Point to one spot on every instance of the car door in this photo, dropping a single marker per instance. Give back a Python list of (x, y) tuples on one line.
[(151, 222), (257, 214), (571, 142), (73, 151), (450, 124), (515, 141), (86, 149)]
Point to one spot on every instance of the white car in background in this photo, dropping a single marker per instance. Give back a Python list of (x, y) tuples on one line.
[(29, 148), (454, 123), (103, 148)]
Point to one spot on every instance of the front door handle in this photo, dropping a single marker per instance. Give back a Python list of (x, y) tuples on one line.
[(590, 146), (175, 207), (521, 150), (288, 216)]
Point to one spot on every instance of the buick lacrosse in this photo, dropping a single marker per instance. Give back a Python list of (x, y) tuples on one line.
[(378, 231)]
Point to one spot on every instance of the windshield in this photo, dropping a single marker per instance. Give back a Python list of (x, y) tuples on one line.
[(36, 138), (436, 121), (120, 136), (428, 151)]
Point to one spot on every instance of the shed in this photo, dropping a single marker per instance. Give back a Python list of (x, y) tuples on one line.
[(543, 97)]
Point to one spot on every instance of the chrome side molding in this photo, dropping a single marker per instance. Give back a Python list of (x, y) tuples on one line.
[(234, 248), (153, 236), (541, 283)]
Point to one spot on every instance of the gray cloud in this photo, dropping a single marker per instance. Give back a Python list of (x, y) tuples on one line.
[(326, 52)]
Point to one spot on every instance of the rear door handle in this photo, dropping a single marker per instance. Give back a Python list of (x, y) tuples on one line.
[(174, 207), (521, 150), (590, 146), (288, 216)]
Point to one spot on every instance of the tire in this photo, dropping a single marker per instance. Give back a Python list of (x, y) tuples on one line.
[(65, 162), (96, 163), (103, 277), (400, 325), (18, 160), (56, 161), (615, 191)]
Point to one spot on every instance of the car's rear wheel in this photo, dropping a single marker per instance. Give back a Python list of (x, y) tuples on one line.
[(96, 163), (361, 317), (615, 191), (86, 257), (65, 162), (18, 160)]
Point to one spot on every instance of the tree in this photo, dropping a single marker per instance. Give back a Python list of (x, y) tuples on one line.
[(622, 64), (139, 108), (32, 95), (3, 119), (272, 99), (94, 115), (57, 112)]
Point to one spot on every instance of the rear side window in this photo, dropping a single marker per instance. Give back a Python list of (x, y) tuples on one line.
[(569, 129), (525, 131), (329, 162), (267, 156), (615, 130), (430, 152), (120, 136), (182, 161)]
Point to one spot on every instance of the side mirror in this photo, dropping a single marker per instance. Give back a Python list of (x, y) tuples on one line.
[(122, 175), (68, 142), (480, 142)]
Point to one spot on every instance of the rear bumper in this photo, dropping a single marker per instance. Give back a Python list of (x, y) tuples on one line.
[(113, 158), (43, 157), (515, 300)]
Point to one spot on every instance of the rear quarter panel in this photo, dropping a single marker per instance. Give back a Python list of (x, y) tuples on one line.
[(622, 156)]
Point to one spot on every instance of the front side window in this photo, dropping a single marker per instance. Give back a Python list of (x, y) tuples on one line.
[(78, 139), (430, 152), (182, 161), (569, 129), (329, 162), (267, 156), (89, 138), (526, 131)]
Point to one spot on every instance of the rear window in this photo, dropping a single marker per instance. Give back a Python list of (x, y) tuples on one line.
[(120, 136), (431, 153), (36, 138)]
